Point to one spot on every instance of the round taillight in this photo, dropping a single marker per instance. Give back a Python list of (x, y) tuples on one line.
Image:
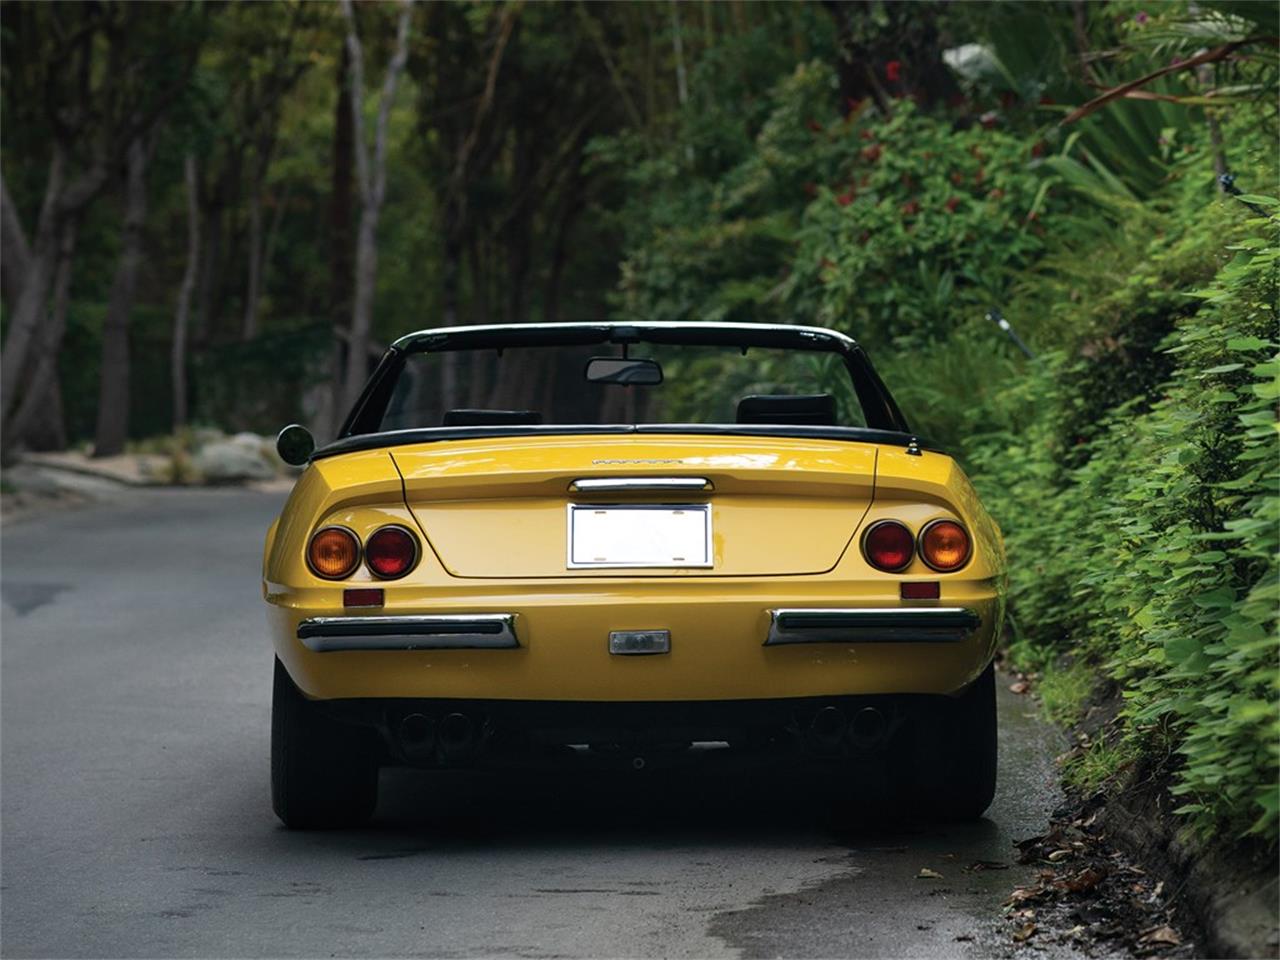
[(391, 552), (944, 545), (888, 545), (333, 553)]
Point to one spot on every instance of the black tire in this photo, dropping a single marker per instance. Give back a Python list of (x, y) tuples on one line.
[(324, 774), (948, 764)]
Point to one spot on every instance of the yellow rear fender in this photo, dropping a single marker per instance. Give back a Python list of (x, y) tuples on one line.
[(360, 491)]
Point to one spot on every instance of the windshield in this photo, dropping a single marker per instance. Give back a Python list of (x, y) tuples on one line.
[(549, 386)]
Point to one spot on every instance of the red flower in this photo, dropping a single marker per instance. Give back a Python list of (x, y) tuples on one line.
[(910, 208), (1037, 148), (951, 204), (957, 178), (814, 125), (893, 70), (872, 153), (846, 198)]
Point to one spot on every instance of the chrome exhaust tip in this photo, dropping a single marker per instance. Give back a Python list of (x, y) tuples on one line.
[(417, 735), (457, 733), (827, 727), (867, 728)]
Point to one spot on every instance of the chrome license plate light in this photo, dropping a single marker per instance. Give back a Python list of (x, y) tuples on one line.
[(639, 642)]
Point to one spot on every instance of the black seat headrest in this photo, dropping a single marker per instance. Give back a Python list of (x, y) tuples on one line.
[(491, 418), (816, 409)]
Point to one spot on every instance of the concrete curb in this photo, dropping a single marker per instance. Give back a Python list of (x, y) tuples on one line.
[(1229, 890)]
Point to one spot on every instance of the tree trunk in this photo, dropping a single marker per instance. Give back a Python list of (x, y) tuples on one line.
[(181, 316), (113, 395), (38, 424), (253, 285), (341, 265), (15, 256), (371, 169), (362, 308), (30, 309)]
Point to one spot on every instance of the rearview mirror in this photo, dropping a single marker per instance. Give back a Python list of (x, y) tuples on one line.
[(295, 444), (637, 372)]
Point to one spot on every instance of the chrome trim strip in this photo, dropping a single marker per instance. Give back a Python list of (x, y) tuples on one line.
[(636, 484), (454, 631), (870, 625)]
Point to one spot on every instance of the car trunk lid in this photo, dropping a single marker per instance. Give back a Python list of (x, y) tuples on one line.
[(501, 508)]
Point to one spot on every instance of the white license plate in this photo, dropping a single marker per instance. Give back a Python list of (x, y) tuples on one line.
[(644, 535)]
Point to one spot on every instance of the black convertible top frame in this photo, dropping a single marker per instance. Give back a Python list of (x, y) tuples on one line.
[(885, 422)]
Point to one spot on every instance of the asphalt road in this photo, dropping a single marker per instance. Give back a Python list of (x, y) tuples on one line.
[(134, 702)]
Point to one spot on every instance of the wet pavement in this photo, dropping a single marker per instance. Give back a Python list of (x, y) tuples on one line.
[(135, 681)]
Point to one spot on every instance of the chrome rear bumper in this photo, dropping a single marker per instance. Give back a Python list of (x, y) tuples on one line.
[(870, 625), (473, 631)]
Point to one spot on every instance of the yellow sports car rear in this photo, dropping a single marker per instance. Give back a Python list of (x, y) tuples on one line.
[(793, 574)]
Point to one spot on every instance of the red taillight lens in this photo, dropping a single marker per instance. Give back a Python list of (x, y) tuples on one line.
[(888, 545), (944, 545), (391, 552), (333, 553)]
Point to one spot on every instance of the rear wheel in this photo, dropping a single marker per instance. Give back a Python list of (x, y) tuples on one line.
[(947, 767), (324, 774)]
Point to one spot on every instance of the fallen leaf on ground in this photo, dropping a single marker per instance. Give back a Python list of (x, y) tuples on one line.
[(1165, 935), (927, 874), (1057, 855), (1023, 894), (1020, 687), (1086, 879), (964, 938), (1024, 933), (978, 865)]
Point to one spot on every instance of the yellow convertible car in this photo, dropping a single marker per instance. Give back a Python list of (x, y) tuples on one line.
[(629, 544)]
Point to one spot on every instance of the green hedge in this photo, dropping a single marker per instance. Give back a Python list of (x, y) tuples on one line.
[(1149, 544)]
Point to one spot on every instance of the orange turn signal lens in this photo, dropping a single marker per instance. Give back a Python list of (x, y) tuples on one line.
[(944, 545), (333, 553)]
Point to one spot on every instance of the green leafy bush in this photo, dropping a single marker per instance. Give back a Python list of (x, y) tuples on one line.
[(1151, 547)]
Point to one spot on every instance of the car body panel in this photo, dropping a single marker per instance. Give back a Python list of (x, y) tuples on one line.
[(778, 493)]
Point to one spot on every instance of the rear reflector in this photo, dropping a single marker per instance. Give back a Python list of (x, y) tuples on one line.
[(926, 590), (366, 597)]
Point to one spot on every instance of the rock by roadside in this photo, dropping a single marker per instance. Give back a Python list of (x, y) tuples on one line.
[(32, 489)]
